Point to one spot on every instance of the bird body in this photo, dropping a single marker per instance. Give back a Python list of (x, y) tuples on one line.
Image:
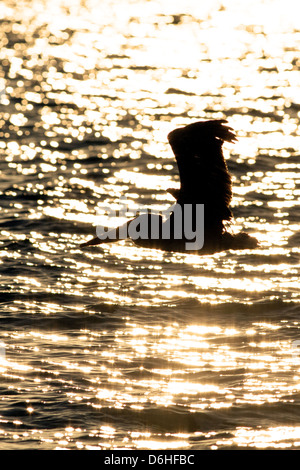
[(205, 183)]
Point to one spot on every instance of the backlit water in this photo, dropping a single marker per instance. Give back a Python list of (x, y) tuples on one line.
[(119, 346)]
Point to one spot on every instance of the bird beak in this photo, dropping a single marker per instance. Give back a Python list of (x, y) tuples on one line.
[(94, 241)]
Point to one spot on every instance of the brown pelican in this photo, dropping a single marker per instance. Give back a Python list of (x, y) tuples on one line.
[(204, 183)]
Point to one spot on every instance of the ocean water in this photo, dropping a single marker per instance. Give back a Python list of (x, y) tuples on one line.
[(121, 347)]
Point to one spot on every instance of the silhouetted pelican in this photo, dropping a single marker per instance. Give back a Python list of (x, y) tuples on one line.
[(204, 180)]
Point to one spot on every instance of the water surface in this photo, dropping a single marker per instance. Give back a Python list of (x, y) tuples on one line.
[(119, 346)]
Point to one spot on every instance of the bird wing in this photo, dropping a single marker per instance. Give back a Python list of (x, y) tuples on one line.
[(203, 172)]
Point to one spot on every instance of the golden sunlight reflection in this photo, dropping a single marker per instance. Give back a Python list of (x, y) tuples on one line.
[(123, 347), (284, 437), (152, 444)]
